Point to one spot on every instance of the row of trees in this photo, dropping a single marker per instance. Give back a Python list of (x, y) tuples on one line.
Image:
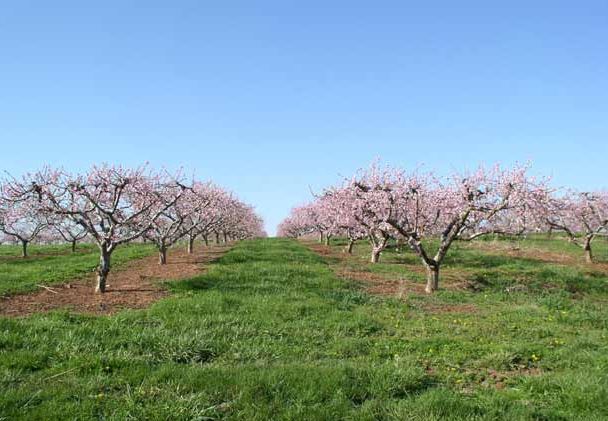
[(378, 204), (113, 205)]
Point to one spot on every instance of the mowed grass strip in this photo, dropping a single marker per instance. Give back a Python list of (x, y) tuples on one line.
[(269, 332), (48, 265)]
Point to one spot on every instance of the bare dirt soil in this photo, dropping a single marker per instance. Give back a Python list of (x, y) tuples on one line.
[(451, 278), (383, 284), (135, 285), (545, 256)]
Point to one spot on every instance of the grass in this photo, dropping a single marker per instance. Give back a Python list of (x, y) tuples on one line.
[(536, 263), (269, 332), (55, 264)]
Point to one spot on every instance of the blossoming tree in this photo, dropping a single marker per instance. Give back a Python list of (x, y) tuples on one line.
[(418, 206), (583, 216), (115, 205), (19, 217), (67, 230)]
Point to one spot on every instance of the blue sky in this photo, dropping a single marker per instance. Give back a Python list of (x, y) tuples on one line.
[(272, 98)]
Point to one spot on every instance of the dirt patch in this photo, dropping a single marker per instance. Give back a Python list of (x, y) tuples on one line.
[(534, 253), (537, 253), (527, 253), (324, 250), (396, 288), (393, 284), (380, 285), (374, 283), (134, 285)]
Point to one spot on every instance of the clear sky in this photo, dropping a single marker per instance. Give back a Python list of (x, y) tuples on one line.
[(271, 98)]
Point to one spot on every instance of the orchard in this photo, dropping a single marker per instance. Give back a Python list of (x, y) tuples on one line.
[(113, 205), (380, 204), (391, 294)]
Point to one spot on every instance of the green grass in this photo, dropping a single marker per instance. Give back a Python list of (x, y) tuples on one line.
[(48, 265), (488, 268), (557, 243), (269, 332)]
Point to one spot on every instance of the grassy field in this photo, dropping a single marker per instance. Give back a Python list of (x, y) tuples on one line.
[(549, 266), (49, 265), (270, 332)]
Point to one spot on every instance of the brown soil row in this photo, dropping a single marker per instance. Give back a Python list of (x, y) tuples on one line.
[(545, 256), (135, 285), (379, 284)]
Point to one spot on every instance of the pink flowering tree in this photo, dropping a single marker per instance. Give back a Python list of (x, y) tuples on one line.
[(245, 223), (296, 225), (364, 208), (342, 211), (339, 211), (325, 222), (69, 231), (114, 204), (288, 228), (229, 216), (347, 211), (419, 206), (218, 211), (582, 216), (176, 204), (19, 216), (316, 217), (208, 200)]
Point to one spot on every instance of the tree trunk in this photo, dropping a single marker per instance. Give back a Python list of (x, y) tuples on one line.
[(432, 279), (217, 238), (73, 246), (225, 238), (190, 244), (206, 238), (588, 252), (327, 238), (376, 254), (162, 256), (24, 248), (321, 237), (349, 248), (378, 245), (550, 233), (103, 270)]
